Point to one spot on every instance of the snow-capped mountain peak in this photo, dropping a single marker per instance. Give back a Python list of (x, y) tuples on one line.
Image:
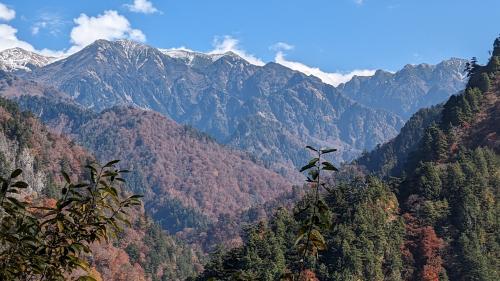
[(190, 56), (16, 59)]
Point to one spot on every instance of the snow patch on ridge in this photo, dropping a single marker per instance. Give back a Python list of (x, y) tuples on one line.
[(19, 59)]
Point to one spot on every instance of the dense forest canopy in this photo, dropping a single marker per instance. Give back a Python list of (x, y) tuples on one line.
[(422, 206), (432, 216)]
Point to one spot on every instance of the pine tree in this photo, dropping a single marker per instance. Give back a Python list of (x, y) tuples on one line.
[(496, 47), (484, 82), (429, 181)]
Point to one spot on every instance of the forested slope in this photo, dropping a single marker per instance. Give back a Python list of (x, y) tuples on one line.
[(143, 252), (435, 218)]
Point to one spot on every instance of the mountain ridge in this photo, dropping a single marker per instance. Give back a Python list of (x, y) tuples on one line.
[(409, 89), (18, 59), (224, 96), (215, 98)]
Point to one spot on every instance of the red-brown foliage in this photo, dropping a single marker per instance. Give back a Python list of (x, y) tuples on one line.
[(42, 157), (430, 246), (308, 275), (177, 163), (422, 249)]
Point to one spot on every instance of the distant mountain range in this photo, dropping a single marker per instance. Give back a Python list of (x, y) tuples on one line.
[(17, 59), (406, 91), (270, 111)]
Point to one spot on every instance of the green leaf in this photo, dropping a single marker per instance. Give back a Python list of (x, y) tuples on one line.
[(314, 174), (328, 150), (306, 167), (311, 148), (16, 202), (111, 163), (16, 173), (317, 239), (327, 166), (20, 184), (66, 177), (300, 235), (91, 167), (313, 161), (60, 226), (80, 185)]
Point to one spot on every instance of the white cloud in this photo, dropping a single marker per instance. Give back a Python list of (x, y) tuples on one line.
[(359, 2), (230, 44), (6, 13), (281, 46), (109, 26), (330, 78), (142, 6), (8, 39)]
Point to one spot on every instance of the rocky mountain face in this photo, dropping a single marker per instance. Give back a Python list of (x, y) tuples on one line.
[(406, 91), (190, 181), (17, 59), (27, 144), (12, 86), (271, 111)]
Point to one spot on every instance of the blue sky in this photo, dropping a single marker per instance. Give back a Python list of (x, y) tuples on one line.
[(332, 35)]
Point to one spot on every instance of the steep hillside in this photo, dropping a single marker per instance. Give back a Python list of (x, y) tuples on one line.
[(175, 161), (434, 219), (391, 158), (12, 86), (27, 144), (189, 180), (143, 252), (406, 91), (452, 186), (224, 96)]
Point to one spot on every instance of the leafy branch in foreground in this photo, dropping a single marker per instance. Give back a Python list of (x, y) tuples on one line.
[(309, 238), (50, 242)]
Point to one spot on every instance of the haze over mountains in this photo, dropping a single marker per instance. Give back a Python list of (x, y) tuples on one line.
[(270, 111)]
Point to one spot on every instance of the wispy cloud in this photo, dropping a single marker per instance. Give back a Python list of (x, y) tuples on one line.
[(281, 46), (229, 44), (6, 13), (50, 22), (332, 78), (142, 6), (359, 2)]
